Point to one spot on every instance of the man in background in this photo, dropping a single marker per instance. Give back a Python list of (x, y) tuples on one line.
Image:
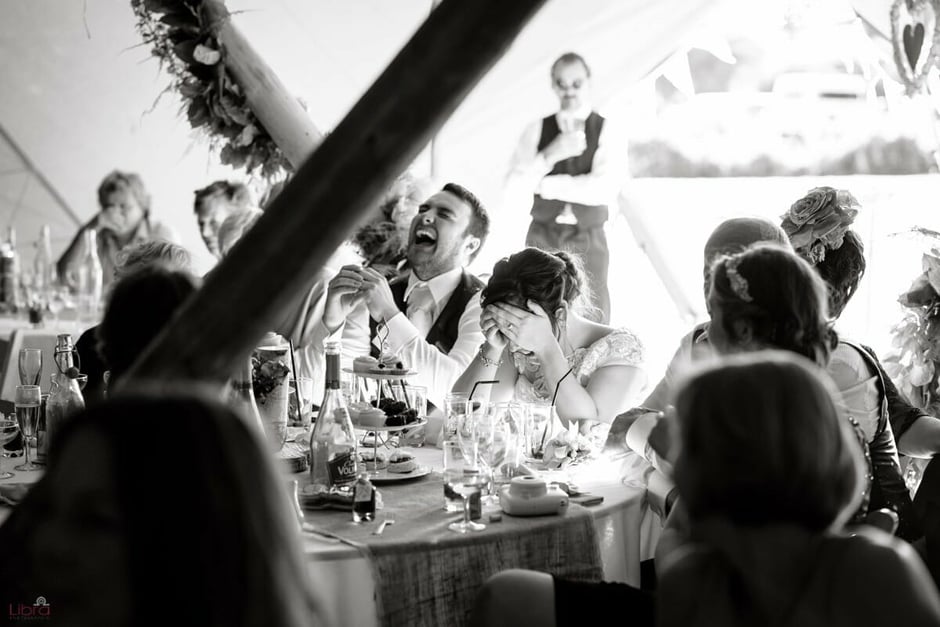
[(573, 162)]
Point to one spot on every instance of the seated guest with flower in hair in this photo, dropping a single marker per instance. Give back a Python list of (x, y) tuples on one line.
[(634, 427), (767, 297), (769, 472), (124, 220), (118, 532), (820, 228), (537, 340)]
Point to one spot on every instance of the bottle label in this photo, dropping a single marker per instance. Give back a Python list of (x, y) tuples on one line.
[(342, 469), (364, 491)]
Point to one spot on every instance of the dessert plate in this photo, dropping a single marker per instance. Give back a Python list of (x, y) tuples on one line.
[(384, 476), (383, 428), (384, 376)]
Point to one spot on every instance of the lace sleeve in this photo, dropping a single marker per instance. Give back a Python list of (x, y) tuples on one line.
[(619, 348)]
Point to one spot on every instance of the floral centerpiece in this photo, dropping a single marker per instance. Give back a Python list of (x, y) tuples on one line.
[(916, 365), (269, 371), (567, 448), (818, 221)]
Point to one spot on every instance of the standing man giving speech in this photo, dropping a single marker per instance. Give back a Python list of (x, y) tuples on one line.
[(573, 162)]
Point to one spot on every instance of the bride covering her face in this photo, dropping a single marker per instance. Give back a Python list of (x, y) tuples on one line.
[(537, 342)]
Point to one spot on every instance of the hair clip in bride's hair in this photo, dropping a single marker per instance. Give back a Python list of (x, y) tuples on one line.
[(738, 283)]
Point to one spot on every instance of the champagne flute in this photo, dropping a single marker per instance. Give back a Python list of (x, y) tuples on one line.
[(8, 431), (30, 363), (27, 405)]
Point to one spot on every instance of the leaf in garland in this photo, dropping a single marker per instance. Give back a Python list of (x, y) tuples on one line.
[(184, 50), (234, 111), (190, 88), (162, 6), (183, 20), (197, 112)]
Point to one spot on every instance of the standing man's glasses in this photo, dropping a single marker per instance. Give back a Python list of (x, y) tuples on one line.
[(575, 84)]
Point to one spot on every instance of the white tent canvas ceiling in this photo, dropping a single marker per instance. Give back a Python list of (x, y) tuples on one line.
[(79, 90)]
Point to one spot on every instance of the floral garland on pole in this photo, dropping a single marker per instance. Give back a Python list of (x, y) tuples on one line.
[(916, 365), (186, 43)]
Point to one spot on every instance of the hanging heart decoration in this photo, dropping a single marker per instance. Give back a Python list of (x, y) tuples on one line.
[(915, 35)]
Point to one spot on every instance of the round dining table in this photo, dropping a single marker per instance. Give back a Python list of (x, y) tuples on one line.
[(419, 572)]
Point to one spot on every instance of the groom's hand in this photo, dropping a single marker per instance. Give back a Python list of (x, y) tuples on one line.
[(378, 295)]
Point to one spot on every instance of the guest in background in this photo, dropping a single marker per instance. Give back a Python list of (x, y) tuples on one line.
[(574, 163), (234, 227), (537, 340), (838, 254), (140, 306), (117, 532), (124, 220), (820, 228), (131, 260), (216, 202)]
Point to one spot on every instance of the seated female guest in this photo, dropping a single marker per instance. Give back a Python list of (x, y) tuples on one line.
[(537, 340), (769, 471), (117, 532), (770, 298), (890, 423), (124, 220)]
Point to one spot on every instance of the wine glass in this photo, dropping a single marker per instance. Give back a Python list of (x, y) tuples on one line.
[(30, 363), (26, 403), (493, 443), (468, 484), (8, 431)]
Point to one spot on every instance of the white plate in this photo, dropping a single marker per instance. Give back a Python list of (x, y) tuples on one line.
[(382, 429), (381, 376), (384, 476)]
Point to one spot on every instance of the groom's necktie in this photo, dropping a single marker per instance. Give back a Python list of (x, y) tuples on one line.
[(421, 308)]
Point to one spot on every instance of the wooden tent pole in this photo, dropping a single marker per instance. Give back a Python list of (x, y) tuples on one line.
[(320, 206), (280, 112)]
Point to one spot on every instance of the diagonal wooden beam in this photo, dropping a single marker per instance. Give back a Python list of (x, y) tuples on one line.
[(348, 172)]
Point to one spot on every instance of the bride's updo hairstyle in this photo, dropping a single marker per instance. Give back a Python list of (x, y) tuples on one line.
[(781, 298), (549, 279), (775, 415), (820, 228)]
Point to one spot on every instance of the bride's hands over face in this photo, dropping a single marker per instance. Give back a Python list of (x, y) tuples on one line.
[(494, 336), (529, 330)]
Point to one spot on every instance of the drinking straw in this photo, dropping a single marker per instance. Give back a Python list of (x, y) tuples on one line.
[(293, 366), (474, 388), (558, 385)]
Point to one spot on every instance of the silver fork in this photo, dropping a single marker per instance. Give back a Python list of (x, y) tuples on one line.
[(388, 520)]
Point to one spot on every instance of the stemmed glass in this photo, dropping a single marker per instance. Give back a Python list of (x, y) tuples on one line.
[(30, 364), (8, 431), (468, 484), (494, 437), (26, 403)]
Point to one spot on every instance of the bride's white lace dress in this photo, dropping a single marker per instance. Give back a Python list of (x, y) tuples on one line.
[(620, 347)]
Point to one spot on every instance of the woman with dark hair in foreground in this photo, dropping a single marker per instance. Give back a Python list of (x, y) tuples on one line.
[(120, 532)]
